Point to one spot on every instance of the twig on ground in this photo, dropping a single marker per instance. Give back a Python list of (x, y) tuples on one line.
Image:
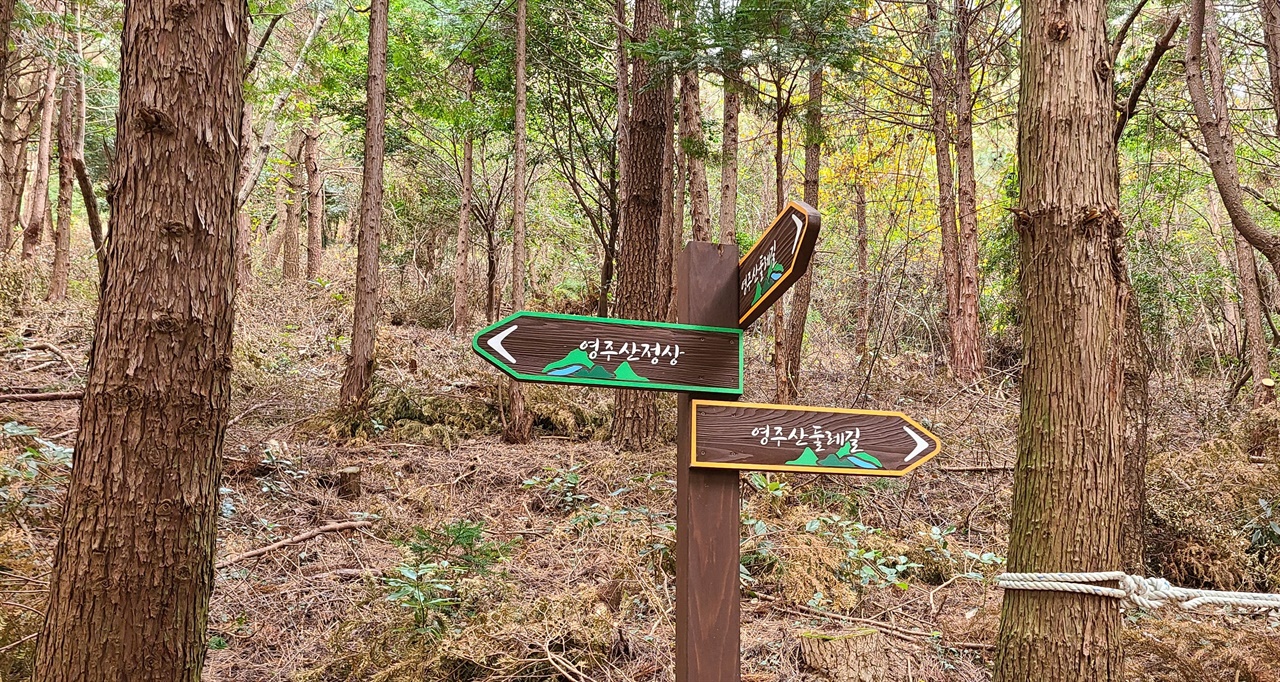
[(36, 611), (40, 397), (991, 467), (333, 527), (18, 643)]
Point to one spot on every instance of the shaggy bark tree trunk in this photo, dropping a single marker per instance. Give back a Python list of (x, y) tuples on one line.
[(44, 151), (66, 186), (939, 107), (729, 162), (133, 570), (966, 332), (517, 429), (694, 149), (1067, 497), (790, 388), (291, 221), (460, 270), (671, 225), (359, 374), (315, 200), (16, 122), (635, 414)]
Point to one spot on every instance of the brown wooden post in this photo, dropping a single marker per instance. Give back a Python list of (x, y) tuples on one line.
[(708, 612)]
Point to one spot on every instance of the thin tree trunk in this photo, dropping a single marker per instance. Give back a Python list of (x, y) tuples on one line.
[(66, 180), (315, 200), (861, 302), (44, 151), (292, 220), (6, 24), (520, 424), (780, 200), (1255, 342), (940, 105), (244, 260), (15, 127), (269, 121), (729, 163), (133, 570), (1226, 261), (635, 415), (966, 332), (1271, 43), (359, 374), (87, 195), (460, 270), (694, 149), (674, 164), (1214, 122), (1067, 497), (801, 294), (623, 93)]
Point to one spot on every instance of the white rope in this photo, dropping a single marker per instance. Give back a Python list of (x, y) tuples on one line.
[(1148, 593)]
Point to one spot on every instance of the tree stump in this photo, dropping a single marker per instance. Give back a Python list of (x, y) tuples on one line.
[(347, 481), (863, 655)]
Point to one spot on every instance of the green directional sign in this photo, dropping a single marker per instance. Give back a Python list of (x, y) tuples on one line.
[(595, 351)]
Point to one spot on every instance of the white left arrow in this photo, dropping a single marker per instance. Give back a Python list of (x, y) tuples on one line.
[(921, 444), (496, 343)]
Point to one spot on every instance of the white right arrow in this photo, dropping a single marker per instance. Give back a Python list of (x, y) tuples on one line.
[(921, 444), (496, 343)]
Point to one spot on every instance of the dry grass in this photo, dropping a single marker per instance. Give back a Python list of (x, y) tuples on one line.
[(585, 587)]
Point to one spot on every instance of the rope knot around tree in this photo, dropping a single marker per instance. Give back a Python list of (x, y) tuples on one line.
[(1146, 593)]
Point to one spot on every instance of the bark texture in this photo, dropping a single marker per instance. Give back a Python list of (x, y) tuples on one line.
[(460, 269), (16, 122), (315, 200), (803, 291), (1255, 342), (359, 374), (517, 430), (966, 333), (66, 186), (729, 161), (635, 416), (290, 222), (1067, 500), (939, 109), (694, 148), (1271, 43), (39, 205), (133, 571)]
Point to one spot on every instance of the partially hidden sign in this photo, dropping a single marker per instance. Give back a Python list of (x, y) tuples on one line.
[(595, 351), (779, 258), (810, 440)]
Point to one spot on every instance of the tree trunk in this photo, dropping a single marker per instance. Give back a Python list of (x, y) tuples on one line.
[(780, 200), (15, 129), (359, 374), (6, 25), (695, 151), (1067, 497), (966, 332), (1255, 342), (518, 427), (291, 221), (244, 260), (315, 200), (1214, 121), (940, 106), (1271, 43), (635, 415), (672, 222), (861, 302), (66, 180), (800, 296), (44, 151), (623, 93), (460, 273), (133, 570), (729, 163)]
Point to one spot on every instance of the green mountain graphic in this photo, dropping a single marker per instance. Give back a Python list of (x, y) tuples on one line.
[(625, 373), (578, 364), (845, 457), (808, 458)]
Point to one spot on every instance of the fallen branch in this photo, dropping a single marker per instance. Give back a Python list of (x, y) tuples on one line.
[(344, 525), (40, 397), (990, 467)]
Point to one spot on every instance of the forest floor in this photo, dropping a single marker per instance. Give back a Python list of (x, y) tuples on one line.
[(554, 561)]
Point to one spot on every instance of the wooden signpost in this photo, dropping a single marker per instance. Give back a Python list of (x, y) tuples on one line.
[(593, 351), (779, 258), (807, 440), (702, 359)]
